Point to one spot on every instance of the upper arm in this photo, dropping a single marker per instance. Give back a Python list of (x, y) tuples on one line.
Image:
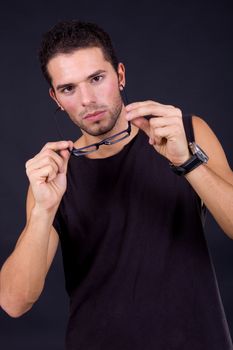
[(53, 237), (210, 144)]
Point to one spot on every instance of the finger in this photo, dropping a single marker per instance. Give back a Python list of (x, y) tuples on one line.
[(58, 146), (151, 140), (168, 109), (143, 124), (66, 156), (153, 110), (134, 105), (160, 122), (45, 174), (41, 164), (44, 158), (140, 109), (31, 168), (154, 139), (168, 132)]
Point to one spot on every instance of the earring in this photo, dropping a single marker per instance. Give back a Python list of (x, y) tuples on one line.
[(61, 108), (121, 87)]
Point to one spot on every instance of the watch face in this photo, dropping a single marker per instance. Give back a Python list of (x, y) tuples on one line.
[(195, 149)]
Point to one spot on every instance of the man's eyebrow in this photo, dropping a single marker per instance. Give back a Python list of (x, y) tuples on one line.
[(62, 86), (99, 71)]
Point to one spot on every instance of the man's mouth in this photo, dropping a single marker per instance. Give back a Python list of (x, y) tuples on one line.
[(94, 116)]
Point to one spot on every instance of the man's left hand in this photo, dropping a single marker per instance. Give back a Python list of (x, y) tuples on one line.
[(164, 128)]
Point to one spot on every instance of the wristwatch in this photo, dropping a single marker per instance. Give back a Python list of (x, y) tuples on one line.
[(198, 157)]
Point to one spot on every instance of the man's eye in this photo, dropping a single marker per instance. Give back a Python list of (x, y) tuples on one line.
[(67, 89), (97, 78)]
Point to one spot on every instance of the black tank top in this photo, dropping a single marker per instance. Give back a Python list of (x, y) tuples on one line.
[(136, 263)]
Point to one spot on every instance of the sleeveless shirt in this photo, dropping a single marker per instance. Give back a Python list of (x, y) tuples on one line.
[(137, 267)]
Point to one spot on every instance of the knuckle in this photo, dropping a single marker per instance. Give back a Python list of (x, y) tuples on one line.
[(176, 120), (179, 112), (31, 175), (28, 167), (27, 164), (44, 147), (48, 159), (50, 168), (48, 145), (48, 152), (27, 172), (153, 103)]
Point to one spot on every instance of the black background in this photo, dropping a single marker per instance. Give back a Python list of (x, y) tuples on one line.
[(175, 52)]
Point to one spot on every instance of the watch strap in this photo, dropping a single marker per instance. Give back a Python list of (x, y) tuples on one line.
[(188, 127), (186, 167)]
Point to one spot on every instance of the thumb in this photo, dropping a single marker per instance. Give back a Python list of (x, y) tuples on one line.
[(143, 124), (65, 154)]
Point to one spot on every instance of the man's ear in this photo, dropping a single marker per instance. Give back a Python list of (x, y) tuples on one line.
[(121, 74), (53, 96)]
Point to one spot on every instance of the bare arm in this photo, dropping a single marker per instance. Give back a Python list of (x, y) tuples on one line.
[(214, 181), (24, 272)]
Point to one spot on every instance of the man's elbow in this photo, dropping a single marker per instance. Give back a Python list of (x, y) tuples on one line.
[(227, 227), (15, 310)]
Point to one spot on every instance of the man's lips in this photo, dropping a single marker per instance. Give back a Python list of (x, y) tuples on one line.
[(94, 116)]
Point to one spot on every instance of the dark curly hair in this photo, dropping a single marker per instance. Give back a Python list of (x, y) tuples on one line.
[(68, 36)]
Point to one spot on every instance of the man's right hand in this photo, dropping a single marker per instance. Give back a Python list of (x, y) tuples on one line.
[(47, 174)]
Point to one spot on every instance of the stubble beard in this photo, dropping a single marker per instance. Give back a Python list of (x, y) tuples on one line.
[(99, 128)]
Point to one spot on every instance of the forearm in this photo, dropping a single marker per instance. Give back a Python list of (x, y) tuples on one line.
[(216, 193), (24, 272)]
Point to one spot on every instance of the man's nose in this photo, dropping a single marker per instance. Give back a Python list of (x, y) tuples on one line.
[(87, 95)]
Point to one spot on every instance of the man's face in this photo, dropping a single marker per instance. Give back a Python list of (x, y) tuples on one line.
[(87, 87)]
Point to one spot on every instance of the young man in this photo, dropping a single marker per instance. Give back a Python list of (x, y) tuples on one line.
[(128, 211)]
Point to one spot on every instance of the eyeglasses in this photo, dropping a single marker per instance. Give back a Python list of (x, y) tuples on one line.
[(108, 141)]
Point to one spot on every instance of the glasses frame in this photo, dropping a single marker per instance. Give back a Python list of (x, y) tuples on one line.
[(108, 141)]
